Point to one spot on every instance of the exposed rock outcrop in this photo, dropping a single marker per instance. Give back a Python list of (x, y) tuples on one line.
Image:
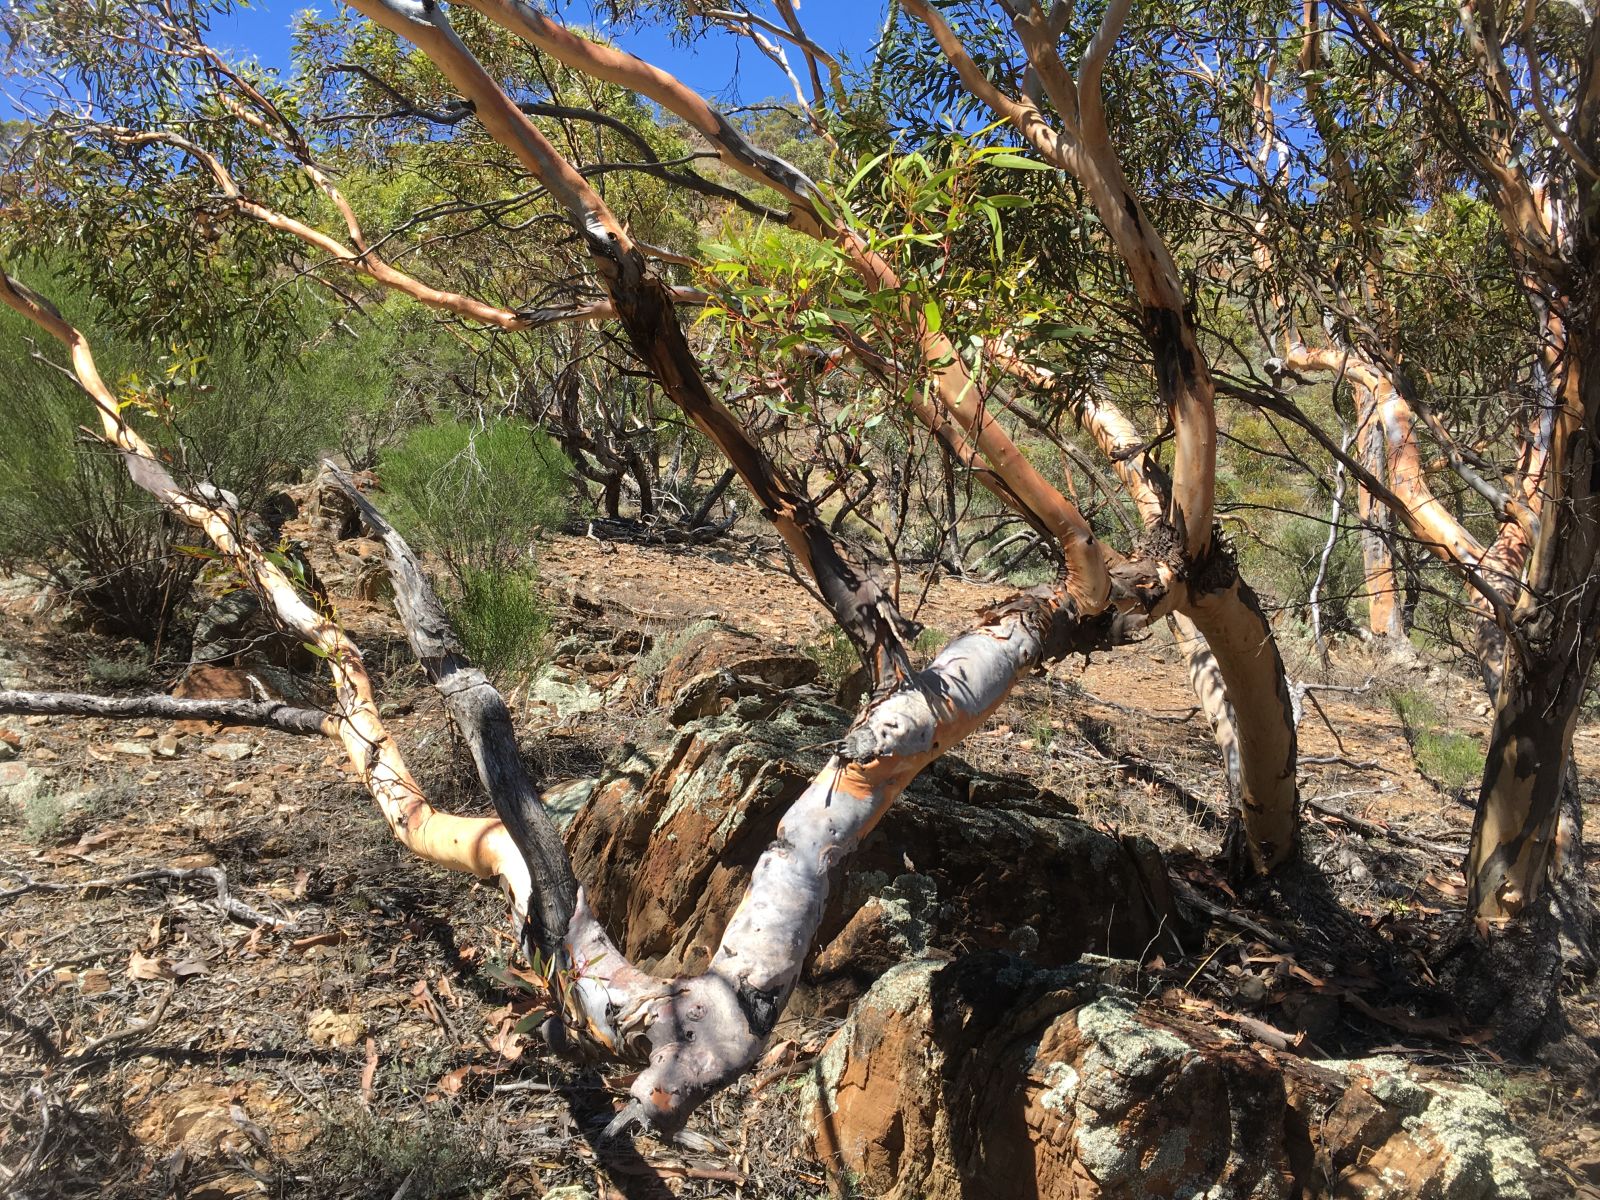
[(993, 1077), (710, 666), (963, 861)]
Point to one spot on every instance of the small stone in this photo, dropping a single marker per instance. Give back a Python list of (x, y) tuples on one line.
[(7, 751), (229, 751), (37, 720), (94, 981), (167, 745), (144, 731), (45, 754), (138, 749), (329, 1028)]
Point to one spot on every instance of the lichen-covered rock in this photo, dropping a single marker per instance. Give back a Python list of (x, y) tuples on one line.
[(1390, 1136), (991, 1076), (963, 860), (709, 666)]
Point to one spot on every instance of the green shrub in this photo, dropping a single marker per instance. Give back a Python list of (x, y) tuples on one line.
[(217, 412), (50, 816), (118, 672), (1282, 562), (667, 647), (475, 498), (835, 656), (1453, 760), (502, 621)]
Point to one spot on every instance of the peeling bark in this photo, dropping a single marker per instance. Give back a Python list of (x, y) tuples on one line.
[(1384, 614), (712, 1026), (1205, 677), (1245, 652), (1545, 669)]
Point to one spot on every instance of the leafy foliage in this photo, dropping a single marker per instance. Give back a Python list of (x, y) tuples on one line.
[(476, 498), (67, 508)]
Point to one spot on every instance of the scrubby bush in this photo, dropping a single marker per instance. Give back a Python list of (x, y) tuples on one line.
[(475, 498), (68, 511), (1283, 561), (1453, 760), (118, 672), (502, 621)]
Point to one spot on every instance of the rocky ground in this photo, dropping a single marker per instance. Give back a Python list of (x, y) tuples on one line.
[(349, 1023)]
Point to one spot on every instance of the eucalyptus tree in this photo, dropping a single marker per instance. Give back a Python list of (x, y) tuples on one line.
[(1445, 266), (1402, 203), (207, 139)]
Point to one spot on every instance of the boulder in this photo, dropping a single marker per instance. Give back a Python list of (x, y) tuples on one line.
[(234, 631), (963, 860), (990, 1076), (709, 666)]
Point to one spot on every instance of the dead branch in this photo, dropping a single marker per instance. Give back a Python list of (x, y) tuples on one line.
[(268, 714), (1190, 896), (480, 714), (1378, 829), (84, 1053), (217, 877)]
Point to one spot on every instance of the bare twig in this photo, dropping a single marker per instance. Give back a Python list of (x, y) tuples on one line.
[(216, 876), (86, 1052)]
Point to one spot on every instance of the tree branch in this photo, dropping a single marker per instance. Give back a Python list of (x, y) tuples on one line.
[(269, 714)]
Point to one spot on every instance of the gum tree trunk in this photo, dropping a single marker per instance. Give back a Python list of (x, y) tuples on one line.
[(1546, 667), (1385, 617), (1228, 615)]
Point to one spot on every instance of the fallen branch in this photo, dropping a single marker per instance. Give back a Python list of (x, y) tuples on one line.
[(84, 1053), (1190, 896), (1378, 829), (38, 1037), (269, 714), (216, 876), (1355, 764), (480, 714)]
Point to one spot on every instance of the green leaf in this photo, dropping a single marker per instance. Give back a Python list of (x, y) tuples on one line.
[(1019, 163), (932, 317)]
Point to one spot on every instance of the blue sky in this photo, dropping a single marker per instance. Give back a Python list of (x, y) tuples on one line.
[(727, 68)]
